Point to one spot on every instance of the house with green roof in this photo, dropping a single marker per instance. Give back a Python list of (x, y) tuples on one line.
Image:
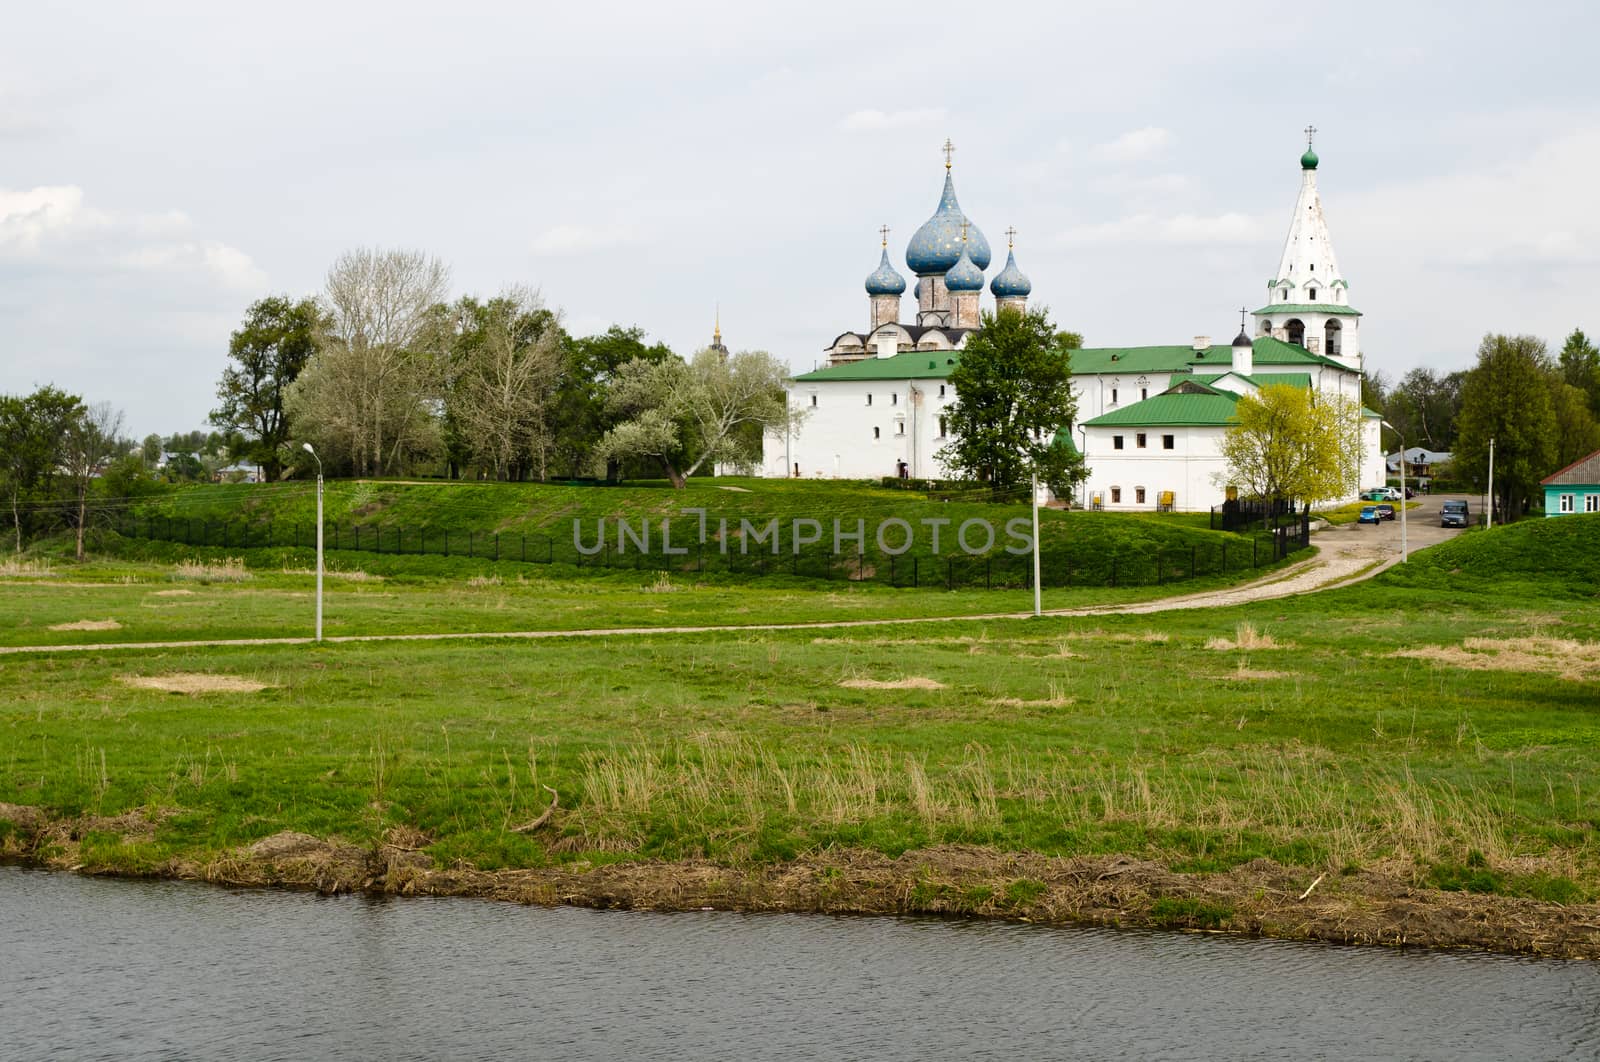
[(880, 404)]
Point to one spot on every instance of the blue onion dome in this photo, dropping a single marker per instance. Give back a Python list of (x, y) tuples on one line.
[(965, 274), (1011, 281), (916, 291), (937, 245), (884, 280)]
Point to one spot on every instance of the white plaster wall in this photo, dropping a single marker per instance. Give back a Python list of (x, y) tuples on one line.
[(835, 439), (1186, 470)]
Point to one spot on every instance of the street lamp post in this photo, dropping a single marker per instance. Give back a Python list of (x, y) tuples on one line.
[(318, 460), (1402, 439)]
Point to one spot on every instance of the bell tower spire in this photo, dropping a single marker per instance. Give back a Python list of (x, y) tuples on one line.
[(1308, 300)]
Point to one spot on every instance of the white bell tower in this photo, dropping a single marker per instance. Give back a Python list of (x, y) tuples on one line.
[(1308, 301)]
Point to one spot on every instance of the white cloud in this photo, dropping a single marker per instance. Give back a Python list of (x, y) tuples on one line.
[(1132, 146), (583, 239), (872, 119), (1228, 228), (54, 225)]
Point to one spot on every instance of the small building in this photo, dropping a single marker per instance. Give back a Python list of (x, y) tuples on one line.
[(1574, 489), (1419, 462)]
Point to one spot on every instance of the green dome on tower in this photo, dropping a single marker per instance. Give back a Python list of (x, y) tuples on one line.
[(1308, 161)]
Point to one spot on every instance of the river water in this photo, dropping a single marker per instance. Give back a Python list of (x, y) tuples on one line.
[(104, 969)]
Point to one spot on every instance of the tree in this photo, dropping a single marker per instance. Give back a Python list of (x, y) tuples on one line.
[(1579, 362), (1506, 397), (93, 437), (1576, 433), (150, 450), (1424, 407), (369, 394), (687, 414), (270, 349), (579, 417), (1291, 443), (1013, 389), (504, 362), (33, 432)]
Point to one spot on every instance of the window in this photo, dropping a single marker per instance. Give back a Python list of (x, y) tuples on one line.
[(869, 399), (943, 430), (1138, 495), (1313, 267), (813, 401), (894, 398), (1116, 442), (1284, 294), (1139, 440), (1169, 442), (1144, 393), (899, 427), (1313, 294), (1113, 396), (941, 390), (1566, 503), (877, 433), (1591, 503), (1116, 495)]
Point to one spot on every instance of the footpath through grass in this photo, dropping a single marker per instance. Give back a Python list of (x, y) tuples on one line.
[(1442, 721)]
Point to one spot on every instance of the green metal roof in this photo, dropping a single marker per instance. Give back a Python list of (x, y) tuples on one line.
[(1205, 408), (1132, 361), (911, 365), (1310, 307), (1293, 379)]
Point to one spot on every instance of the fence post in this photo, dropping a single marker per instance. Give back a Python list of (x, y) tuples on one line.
[(497, 545), (1113, 569), (916, 566), (988, 572), (1193, 559), (1224, 558), (524, 546), (469, 543), (891, 569), (1158, 567), (861, 565), (1254, 542), (550, 550), (447, 543), (949, 573)]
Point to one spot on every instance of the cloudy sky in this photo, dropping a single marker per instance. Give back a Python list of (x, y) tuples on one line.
[(163, 165)]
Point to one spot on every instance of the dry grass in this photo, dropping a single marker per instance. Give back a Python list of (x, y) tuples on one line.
[(349, 575), (193, 682), (1565, 657), (1249, 674), (480, 581), (911, 682), (181, 592), (12, 568), (227, 570), (663, 585), (88, 625), (1245, 636)]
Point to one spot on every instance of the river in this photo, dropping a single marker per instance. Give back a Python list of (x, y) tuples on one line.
[(108, 969)]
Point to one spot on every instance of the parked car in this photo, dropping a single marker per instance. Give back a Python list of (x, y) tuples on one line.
[(1390, 494), (1453, 513), (1385, 511), (1368, 515), (1375, 494)]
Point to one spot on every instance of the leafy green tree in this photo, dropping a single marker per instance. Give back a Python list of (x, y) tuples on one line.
[(150, 450), (1577, 435), (1291, 443), (1424, 406), (684, 415), (580, 416), (33, 432), (1013, 389), (1579, 362), (1506, 397), (185, 468), (269, 350)]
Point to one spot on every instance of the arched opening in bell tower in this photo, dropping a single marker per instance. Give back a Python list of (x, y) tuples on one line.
[(1333, 335), (1295, 331)]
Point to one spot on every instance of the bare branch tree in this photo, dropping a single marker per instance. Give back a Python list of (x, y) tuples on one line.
[(93, 438)]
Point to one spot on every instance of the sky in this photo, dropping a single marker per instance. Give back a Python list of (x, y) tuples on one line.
[(164, 165)]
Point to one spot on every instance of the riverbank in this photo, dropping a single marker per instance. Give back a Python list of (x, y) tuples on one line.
[(1423, 742), (1261, 898)]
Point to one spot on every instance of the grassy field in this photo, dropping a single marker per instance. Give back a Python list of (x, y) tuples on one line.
[(536, 522), (1440, 723)]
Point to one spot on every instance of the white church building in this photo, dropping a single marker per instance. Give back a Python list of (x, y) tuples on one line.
[(1151, 419)]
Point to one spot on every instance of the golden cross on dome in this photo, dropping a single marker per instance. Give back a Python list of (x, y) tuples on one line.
[(1311, 131), (1011, 238), (883, 231), (948, 149)]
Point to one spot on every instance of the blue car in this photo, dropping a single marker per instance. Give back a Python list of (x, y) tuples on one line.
[(1369, 515)]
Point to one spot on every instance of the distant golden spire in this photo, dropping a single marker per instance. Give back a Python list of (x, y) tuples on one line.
[(716, 333), (1011, 238)]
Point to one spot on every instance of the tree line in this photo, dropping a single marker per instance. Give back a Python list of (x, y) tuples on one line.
[(386, 377)]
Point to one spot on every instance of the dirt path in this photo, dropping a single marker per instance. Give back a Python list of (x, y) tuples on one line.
[(1345, 555)]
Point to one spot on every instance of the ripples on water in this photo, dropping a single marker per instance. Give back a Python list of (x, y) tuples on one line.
[(93, 969)]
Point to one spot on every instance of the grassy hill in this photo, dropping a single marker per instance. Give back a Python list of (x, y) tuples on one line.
[(536, 520), (1557, 558)]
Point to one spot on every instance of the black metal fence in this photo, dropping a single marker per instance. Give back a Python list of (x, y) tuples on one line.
[(1061, 565)]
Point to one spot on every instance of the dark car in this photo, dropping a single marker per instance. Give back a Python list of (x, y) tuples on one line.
[(1453, 514), (1385, 512)]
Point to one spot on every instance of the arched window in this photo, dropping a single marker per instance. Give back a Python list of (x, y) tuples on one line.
[(1312, 294), (1333, 335), (1295, 331)]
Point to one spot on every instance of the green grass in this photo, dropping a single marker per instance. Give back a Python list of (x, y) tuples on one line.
[(536, 521), (1112, 735)]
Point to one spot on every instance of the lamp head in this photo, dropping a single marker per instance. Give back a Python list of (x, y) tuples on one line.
[(308, 449)]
